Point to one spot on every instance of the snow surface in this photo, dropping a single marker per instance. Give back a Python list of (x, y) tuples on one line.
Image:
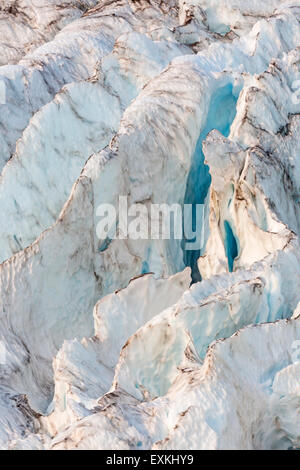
[(181, 101)]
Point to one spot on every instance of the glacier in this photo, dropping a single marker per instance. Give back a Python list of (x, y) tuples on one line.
[(143, 344)]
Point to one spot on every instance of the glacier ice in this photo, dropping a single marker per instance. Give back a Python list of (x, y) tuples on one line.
[(143, 344)]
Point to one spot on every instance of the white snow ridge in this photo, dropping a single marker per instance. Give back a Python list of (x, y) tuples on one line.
[(142, 344)]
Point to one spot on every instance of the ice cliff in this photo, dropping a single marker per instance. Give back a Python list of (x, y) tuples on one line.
[(142, 344)]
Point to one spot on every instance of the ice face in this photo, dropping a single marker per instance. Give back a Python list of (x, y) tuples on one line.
[(83, 116), (173, 102)]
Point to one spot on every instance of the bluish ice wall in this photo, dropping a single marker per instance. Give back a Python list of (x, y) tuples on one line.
[(221, 114)]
